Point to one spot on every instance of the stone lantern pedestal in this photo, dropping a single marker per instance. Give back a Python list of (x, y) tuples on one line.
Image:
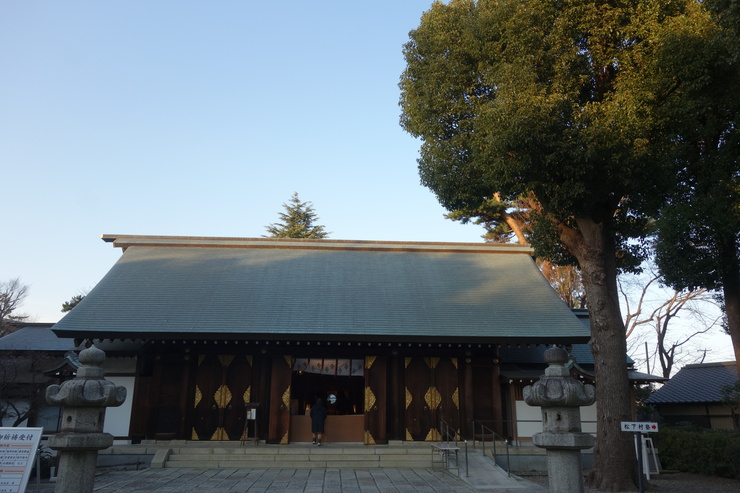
[(560, 397), (83, 401)]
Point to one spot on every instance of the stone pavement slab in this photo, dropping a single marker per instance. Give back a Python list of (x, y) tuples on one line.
[(293, 481)]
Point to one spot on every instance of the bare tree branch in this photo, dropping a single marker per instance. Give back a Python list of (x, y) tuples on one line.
[(669, 346), (12, 294)]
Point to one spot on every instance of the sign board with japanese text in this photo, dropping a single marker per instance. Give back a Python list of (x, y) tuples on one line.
[(640, 426), (17, 451)]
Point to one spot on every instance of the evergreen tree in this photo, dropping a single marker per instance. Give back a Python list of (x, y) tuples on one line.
[(698, 231), (559, 100), (298, 221), (68, 305)]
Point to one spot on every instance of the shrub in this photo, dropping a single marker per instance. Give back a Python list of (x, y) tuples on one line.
[(701, 451)]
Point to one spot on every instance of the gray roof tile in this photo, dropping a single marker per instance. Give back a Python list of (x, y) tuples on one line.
[(254, 288), (36, 337), (696, 383)]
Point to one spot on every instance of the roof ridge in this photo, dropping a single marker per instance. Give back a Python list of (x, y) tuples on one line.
[(125, 241), (711, 364)]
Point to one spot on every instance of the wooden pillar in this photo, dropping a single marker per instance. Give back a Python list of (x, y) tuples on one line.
[(498, 398), (468, 408), (279, 418), (395, 414)]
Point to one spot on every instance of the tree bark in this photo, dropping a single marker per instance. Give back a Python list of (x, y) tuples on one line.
[(731, 293), (594, 247)]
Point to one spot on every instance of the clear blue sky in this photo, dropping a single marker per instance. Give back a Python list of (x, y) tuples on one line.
[(199, 119)]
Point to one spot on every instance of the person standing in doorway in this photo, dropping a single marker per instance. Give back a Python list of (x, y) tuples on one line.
[(318, 416)]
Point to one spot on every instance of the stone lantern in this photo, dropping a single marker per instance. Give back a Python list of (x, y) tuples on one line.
[(560, 396), (83, 401)]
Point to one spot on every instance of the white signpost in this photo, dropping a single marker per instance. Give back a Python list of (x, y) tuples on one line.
[(18, 448), (638, 428)]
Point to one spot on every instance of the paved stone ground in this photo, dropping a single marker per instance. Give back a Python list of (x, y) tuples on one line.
[(346, 481), (479, 475), (280, 480), (674, 482)]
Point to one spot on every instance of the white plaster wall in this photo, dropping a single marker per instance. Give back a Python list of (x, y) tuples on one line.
[(525, 414), (588, 419), (529, 419), (118, 419)]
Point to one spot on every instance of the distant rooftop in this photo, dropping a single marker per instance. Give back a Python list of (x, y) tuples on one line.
[(35, 337), (696, 383)]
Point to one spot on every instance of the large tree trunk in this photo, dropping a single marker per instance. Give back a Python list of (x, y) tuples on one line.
[(614, 459), (731, 293)]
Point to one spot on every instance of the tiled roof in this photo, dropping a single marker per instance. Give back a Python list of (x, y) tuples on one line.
[(696, 383), (40, 337), (283, 288), (36, 337)]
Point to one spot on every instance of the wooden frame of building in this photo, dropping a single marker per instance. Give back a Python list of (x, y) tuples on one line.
[(397, 336)]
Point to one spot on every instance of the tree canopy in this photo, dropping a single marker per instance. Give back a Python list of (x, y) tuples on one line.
[(73, 302), (298, 221), (558, 101), (698, 230)]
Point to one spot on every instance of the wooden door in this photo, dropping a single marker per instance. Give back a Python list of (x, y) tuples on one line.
[(375, 400), (238, 379), (206, 404), (445, 379), (419, 396), (222, 387), (167, 397), (432, 395)]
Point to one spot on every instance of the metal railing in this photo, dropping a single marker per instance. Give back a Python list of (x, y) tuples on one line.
[(511, 428), (484, 432), (449, 433)]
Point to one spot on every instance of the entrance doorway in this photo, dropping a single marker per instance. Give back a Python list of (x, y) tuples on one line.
[(341, 385)]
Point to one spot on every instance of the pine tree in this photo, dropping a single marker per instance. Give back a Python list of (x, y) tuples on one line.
[(297, 221), (73, 302)]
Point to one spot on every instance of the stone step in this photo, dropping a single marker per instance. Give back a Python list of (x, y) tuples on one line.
[(192, 454), (300, 456), (296, 464)]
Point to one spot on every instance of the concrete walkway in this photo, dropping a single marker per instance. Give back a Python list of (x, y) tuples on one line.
[(482, 476)]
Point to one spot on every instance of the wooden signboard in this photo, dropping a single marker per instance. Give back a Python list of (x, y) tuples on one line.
[(17, 452)]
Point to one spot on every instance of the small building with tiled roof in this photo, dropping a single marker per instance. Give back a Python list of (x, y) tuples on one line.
[(33, 357), (694, 395), (396, 336)]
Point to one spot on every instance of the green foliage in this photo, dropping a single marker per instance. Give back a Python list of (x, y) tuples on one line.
[(518, 97), (731, 399), (644, 412), (298, 221), (68, 305), (701, 451), (698, 230), (561, 101), (489, 214)]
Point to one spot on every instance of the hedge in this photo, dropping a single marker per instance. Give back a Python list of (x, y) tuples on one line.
[(701, 451)]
